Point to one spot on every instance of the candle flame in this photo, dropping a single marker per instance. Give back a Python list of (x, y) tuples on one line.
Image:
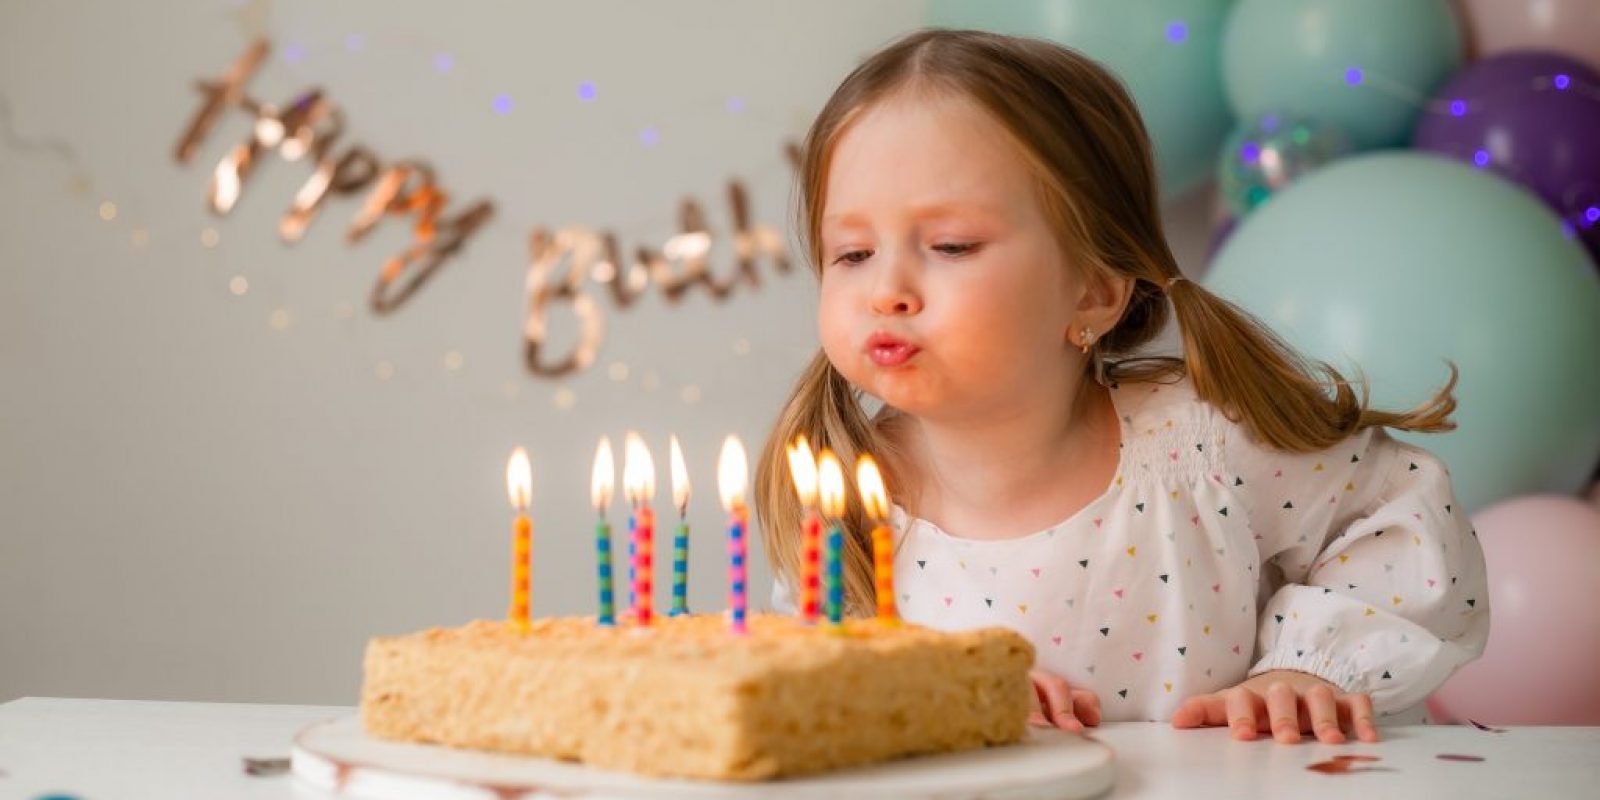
[(733, 473), (519, 479), (680, 479), (638, 471), (869, 482), (605, 476), (830, 480), (803, 467)]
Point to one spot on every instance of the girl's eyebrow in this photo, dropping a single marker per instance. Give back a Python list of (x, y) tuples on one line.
[(928, 211)]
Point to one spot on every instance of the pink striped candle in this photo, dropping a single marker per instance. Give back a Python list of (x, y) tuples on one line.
[(733, 480)]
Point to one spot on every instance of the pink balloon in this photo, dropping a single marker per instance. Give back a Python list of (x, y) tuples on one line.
[(1571, 27), (1543, 556)]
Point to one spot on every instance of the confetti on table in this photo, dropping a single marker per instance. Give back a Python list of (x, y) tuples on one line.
[(1482, 727), (1457, 757), (266, 766), (1339, 765)]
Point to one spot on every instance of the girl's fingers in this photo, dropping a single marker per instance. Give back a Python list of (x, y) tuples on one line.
[(1191, 713), (1323, 709), (1205, 710), (1037, 715), (1086, 706), (1283, 712), (1366, 723), (1057, 699), (1243, 715)]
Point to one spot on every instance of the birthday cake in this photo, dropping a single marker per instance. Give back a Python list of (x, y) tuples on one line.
[(688, 698)]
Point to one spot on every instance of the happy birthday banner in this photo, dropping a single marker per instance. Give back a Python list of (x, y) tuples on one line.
[(561, 263)]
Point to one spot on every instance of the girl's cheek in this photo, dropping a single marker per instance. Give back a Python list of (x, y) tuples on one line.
[(833, 326)]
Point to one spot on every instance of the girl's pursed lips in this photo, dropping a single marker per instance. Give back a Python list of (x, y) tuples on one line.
[(887, 350)]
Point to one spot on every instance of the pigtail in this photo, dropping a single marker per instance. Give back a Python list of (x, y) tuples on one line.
[(1240, 366)]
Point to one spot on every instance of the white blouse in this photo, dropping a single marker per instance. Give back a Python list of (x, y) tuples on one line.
[(1212, 558)]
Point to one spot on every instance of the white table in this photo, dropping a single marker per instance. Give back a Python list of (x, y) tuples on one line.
[(95, 749)]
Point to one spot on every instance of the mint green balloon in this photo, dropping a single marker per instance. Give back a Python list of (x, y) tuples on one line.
[(1367, 66), (1397, 261), (1167, 52)]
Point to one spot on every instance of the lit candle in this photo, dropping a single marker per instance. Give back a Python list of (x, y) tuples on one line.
[(869, 484), (803, 468), (830, 483), (600, 487), (680, 537), (639, 482), (519, 486), (732, 480)]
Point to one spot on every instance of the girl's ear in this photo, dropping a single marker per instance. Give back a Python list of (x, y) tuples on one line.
[(1105, 297)]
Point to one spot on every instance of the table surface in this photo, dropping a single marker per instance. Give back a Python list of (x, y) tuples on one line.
[(92, 749)]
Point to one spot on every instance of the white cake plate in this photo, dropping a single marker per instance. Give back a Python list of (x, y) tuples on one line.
[(337, 756)]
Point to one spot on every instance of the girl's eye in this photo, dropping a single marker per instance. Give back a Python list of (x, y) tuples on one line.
[(957, 249), (853, 257)]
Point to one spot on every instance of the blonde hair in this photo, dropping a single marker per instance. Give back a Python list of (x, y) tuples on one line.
[(1080, 131)]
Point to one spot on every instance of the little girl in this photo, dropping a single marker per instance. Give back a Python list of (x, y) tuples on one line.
[(1227, 539)]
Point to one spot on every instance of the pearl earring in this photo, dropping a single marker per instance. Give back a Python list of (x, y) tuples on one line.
[(1088, 339)]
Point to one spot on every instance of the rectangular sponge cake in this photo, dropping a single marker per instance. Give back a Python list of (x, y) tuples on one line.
[(687, 698)]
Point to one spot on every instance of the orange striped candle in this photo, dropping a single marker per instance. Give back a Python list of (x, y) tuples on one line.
[(869, 483), (519, 486)]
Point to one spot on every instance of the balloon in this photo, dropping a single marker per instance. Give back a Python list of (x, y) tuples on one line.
[(1399, 260), (1532, 117), (1563, 26), (1165, 52), (1219, 236), (1264, 156), (1359, 64), (1543, 556)]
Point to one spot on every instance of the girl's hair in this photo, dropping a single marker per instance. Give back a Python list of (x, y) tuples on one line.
[(1081, 133)]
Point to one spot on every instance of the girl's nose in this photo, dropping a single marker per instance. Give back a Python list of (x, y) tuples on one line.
[(890, 301), (895, 293)]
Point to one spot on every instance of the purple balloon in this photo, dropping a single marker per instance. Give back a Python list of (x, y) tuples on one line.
[(1533, 117)]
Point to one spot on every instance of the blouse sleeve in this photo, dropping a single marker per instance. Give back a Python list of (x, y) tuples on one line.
[(1373, 578)]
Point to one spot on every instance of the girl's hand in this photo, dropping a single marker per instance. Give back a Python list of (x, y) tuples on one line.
[(1056, 703), (1285, 703)]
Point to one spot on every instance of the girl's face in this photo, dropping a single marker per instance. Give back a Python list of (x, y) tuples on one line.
[(944, 292)]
